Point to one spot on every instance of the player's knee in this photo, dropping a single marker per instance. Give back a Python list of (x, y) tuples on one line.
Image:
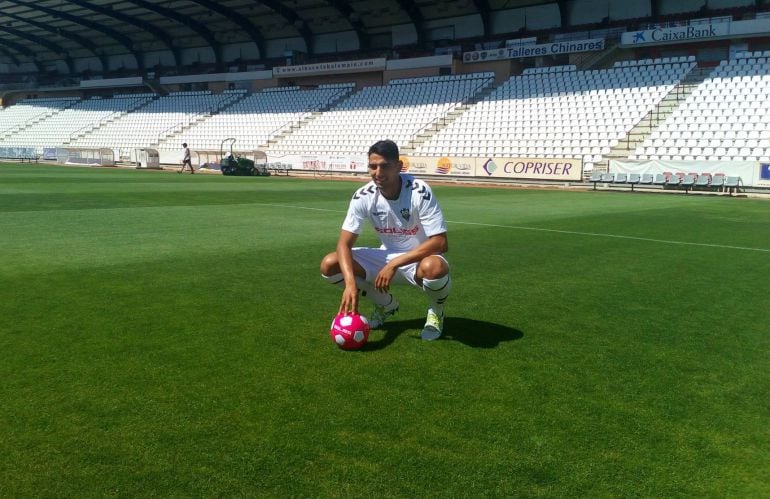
[(330, 265), (432, 267)]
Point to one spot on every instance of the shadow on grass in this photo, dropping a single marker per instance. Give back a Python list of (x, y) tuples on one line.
[(470, 332)]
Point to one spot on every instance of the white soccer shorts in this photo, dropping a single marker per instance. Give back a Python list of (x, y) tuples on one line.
[(373, 259)]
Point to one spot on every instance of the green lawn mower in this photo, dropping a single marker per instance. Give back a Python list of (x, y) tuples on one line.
[(235, 164)]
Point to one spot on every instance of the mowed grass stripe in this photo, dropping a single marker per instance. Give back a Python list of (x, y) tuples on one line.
[(614, 236), (541, 229)]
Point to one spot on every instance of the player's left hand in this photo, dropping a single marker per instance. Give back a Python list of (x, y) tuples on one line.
[(383, 279)]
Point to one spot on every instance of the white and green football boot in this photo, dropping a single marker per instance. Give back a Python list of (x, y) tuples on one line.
[(381, 312), (434, 325)]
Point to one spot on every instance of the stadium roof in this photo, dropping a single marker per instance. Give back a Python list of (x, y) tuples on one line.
[(55, 30)]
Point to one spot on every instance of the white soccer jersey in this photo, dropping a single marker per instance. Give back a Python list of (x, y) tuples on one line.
[(403, 223)]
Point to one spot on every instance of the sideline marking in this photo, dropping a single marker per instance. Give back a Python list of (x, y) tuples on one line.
[(615, 236), (558, 231)]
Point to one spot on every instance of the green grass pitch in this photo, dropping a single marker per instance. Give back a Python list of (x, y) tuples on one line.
[(167, 335)]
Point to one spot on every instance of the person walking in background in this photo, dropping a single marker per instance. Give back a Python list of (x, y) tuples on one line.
[(186, 158)]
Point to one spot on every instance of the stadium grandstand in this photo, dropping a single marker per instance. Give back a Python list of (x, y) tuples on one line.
[(520, 90)]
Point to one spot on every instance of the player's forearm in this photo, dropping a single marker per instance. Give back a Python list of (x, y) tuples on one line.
[(345, 259), (432, 246)]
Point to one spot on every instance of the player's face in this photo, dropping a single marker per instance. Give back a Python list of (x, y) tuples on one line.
[(385, 174)]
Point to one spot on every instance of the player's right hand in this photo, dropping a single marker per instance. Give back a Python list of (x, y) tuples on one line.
[(349, 302)]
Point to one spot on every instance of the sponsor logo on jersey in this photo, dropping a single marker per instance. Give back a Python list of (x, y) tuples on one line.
[(396, 231)]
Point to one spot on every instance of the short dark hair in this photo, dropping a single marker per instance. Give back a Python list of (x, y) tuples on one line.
[(184, 144), (385, 148)]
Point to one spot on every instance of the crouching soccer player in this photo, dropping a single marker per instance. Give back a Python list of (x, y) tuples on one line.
[(412, 230)]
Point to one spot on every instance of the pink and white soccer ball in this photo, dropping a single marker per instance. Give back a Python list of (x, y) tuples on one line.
[(350, 331)]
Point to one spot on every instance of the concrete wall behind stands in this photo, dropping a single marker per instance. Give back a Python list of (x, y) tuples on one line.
[(503, 69), (360, 79), (408, 73)]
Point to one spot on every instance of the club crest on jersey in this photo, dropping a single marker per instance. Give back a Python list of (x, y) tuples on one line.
[(405, 213)]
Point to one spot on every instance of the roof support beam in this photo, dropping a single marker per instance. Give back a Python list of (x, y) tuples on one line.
[(194, 25), (80, 40), (9, 55), (44, 43), (563, 13), (484, 10), (144, 25), (292, 18), (22, 49), (123, 40), (354, 19), (655, 8), (415, 15), (251, 29)]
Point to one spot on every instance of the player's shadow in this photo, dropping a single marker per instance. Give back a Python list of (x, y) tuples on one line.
[(471, 332)]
